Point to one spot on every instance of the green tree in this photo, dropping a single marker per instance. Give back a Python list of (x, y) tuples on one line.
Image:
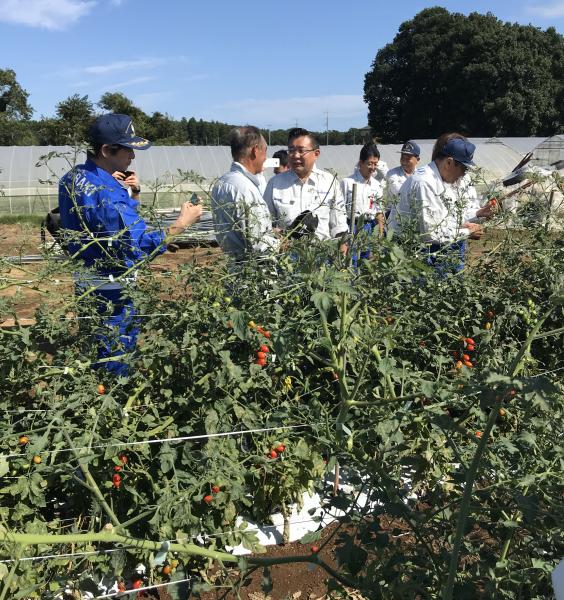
[(192, 130), (13, 98), (447, 71), (74, 115), (116, 102), (15, 111)]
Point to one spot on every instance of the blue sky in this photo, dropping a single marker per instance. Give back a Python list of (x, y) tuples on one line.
[(273, 64)]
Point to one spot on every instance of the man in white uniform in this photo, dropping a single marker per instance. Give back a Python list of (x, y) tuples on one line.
[(240, 215), (429, 204), (409, 158), (306, 189)]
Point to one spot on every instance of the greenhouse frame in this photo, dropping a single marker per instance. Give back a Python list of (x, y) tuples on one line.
[(29, 174)]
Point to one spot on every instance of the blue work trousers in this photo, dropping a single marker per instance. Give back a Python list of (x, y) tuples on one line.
[(446, 259), (118, 330)]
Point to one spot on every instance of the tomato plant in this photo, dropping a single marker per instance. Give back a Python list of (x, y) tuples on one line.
[(200, 433)]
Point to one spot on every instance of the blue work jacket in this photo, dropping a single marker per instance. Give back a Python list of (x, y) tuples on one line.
[(95, 204)]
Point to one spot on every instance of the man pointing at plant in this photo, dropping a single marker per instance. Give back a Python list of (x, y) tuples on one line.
[(103, 229)]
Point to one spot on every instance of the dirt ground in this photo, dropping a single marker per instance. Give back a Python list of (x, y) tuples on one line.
[(24, 239), (291, 581)]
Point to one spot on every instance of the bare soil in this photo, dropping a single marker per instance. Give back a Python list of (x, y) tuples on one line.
[(24, 239)]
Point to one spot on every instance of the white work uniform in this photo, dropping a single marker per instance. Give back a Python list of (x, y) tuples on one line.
[(381, 171), (464, 188), (241, 217), (287, 197), (395, 178), (432, 206), (368, 194)]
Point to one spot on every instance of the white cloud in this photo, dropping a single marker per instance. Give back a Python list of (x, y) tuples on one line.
[(284, 112), (46, 14), (554, 10), (124, 65), (113, 87)]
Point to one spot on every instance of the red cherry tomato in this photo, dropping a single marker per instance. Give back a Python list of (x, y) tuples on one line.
[(264, 348), (266, 334), (315, 549), (208, 499), (470, 347), (261, 355), (280, 448), (261, 362), (215, 489), (273, 454)]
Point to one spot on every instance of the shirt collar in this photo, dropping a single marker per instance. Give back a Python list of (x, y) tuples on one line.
[(360, 177), (436, 174), (239, 168), (314, 171)]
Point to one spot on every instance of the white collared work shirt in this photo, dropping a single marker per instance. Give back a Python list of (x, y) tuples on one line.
[(368, 194), (432, 206), (241, 217), (287, 197), (395, 178)]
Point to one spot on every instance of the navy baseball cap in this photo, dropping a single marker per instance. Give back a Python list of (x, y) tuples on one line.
[(461, 150), (411, 148), (117, 129)]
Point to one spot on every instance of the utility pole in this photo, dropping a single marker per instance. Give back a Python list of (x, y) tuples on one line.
[(327, 127)]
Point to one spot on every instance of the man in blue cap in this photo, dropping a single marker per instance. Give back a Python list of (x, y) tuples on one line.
[(429, 205), (409, 158), (102, 228)]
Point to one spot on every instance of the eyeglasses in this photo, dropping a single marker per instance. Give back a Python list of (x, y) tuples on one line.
[(301, 151)]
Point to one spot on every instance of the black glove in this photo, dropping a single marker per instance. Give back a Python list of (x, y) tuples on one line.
[(305, 224)]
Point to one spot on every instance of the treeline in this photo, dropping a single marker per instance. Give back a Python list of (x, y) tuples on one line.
[(474, 74), (74, 115)]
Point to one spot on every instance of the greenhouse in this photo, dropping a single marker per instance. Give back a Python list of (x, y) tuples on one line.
[(29, 174)]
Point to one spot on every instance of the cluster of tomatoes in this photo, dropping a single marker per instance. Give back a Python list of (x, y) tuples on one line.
[(276, 451), (208, 499), (118, 470), (262, 352), (23, 440), (463, 357)]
